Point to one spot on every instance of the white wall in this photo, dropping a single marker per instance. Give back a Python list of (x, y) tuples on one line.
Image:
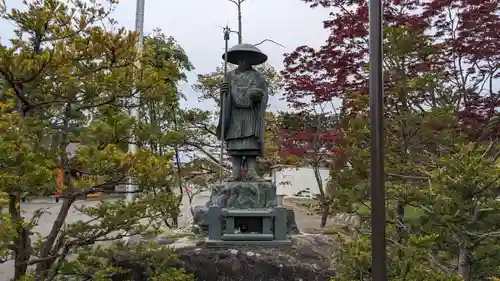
[(290, 181)]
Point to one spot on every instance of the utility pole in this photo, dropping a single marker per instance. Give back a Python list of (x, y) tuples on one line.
[(134, 111), (238, 4), (379, 265)]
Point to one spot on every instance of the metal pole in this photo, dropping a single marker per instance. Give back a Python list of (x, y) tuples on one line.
[(222, 131), (134, 112), (379, 267)]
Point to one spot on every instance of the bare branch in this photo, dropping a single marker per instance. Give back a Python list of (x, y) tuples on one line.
[(228, 29), (3, 7), (209, 155), (407, 177), (269, 40)]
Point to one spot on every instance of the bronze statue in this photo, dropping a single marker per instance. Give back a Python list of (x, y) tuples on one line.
[(244, 96)]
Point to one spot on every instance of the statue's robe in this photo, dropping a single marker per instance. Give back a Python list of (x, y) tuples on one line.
[(243, 119)]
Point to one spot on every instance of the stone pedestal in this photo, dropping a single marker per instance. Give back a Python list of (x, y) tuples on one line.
[(245, 213)]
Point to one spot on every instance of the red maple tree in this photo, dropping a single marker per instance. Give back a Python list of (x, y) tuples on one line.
[(460, 38), (314, 138), (311, 136)]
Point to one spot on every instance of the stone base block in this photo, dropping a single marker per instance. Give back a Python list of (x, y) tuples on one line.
[(224, 243), (241, 195)]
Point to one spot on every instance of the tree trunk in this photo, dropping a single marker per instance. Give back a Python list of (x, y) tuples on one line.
[(240, 25), (400, 228), (47, 250), (325, 212), (179, 170), (21, 247), (22, 243), (324, 202), (464, 262)]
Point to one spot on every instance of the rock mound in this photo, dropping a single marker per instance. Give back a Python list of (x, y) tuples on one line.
[(309, 259)]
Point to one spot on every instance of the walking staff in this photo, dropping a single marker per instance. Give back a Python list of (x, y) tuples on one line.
[(222, 103)]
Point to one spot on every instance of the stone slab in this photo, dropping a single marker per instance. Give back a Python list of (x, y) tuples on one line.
[(247, 212), (247, 237), (274, 243)]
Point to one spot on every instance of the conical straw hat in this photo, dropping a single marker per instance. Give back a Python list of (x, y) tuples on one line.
[(248, 51)]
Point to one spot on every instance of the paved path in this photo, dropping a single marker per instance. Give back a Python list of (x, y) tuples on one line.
[(305, 222), (52, 209)]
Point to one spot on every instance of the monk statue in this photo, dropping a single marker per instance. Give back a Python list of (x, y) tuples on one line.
[(244, 96)]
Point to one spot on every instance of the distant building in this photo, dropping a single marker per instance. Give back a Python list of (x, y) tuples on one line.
[(298, 182)]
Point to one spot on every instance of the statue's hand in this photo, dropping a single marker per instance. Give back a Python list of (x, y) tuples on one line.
[(224, 88), (255, 94)]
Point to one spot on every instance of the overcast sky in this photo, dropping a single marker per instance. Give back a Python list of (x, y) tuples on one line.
[(194, 24)]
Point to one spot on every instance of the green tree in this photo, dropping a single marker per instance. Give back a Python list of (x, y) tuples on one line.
[(208, 84), (461, 209), (414, 137), (160, 108), (441, 143), (68, 79), (6, 227)]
